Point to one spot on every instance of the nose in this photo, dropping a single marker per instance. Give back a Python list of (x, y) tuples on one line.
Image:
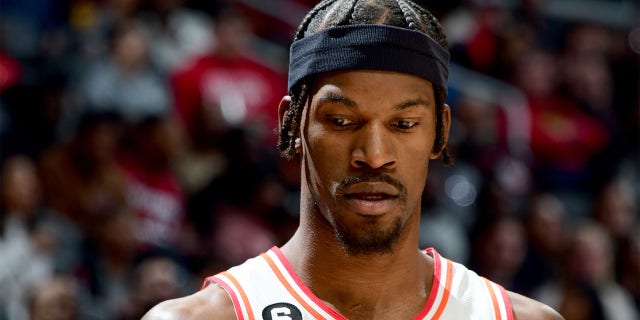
[(374, 149)]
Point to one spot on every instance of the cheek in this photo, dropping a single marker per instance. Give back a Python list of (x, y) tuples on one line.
[(414, 164), (324, 157)]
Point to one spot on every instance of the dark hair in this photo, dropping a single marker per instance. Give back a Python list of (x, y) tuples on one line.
[(331, 13)]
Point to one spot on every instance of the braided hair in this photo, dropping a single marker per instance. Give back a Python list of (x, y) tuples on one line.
[(332, 13)]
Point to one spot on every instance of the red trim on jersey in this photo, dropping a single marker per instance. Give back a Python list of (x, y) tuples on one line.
[(507, 303), (285, 262), (292, 291), (232, 294), (435, 285), (446, 293)]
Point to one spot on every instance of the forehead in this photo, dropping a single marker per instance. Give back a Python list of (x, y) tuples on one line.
[(373, 84)]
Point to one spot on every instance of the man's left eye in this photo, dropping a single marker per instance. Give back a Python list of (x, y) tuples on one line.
[(405, 124)]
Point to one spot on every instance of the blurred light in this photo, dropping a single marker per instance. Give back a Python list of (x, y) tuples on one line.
[(233, 107), (460, 190)]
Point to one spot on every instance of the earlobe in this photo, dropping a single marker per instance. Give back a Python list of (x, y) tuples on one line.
[(283, 113), (445, 117), (283, 110)]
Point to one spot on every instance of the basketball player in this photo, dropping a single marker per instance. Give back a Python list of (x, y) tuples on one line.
[(365, 114)]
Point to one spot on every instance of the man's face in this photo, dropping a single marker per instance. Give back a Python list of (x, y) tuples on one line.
[(367, 138)]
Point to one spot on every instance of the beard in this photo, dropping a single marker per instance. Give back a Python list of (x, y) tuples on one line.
[(370, 237)]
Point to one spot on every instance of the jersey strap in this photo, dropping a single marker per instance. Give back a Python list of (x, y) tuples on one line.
[(267, 287)]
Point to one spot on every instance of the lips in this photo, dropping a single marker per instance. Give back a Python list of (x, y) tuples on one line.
[(371, 198), (374, 188)]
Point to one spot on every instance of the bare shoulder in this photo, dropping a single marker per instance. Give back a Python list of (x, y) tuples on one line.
[(526, 308), (211, 303)]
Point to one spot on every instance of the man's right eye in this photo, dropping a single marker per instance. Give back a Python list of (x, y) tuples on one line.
[(340, 122)]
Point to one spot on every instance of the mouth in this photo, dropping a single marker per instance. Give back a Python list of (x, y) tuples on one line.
[(370, 203), (371, 195)]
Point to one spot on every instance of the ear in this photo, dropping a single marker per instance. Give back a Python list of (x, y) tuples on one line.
[(283, 109), (445, 117)]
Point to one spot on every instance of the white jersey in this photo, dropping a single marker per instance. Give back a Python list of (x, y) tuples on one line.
[(266, 287)]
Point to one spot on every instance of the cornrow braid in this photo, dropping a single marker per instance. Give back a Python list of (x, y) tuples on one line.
[(408, 15), (292, 119), (350, 14), (291, 122), (310, 16), (331, 13)]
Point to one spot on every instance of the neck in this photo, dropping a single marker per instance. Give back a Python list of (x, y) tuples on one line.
[(367, 286)]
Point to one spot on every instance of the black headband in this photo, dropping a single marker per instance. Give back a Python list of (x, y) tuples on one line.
[(369, 46)]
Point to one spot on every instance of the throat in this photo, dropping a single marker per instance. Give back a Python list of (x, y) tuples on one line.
[(377, 302), (376, 290)]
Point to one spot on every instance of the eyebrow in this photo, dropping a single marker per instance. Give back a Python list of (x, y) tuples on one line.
[(411, 103), (335, 97)]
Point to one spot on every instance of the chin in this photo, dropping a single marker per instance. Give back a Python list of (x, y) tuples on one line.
[(368, 238)]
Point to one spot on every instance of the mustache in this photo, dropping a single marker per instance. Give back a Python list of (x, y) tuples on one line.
[(371, 177)]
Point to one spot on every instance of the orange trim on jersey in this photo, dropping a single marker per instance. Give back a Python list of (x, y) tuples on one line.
[(494, 299), (243, 295), (507, 303), (447, 291), (237, 308), (289, 288), (302, 286), (435, 286)]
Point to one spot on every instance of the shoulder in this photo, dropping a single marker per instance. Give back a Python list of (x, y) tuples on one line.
[(526, 308), (211, 303), (523, 308)]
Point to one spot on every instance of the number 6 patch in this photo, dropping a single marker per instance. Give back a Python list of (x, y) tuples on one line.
[(281, 311)]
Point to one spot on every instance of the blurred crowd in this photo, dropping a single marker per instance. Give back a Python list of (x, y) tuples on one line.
[(138, 153)]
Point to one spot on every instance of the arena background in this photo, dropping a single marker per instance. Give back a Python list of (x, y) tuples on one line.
[(138, 154)]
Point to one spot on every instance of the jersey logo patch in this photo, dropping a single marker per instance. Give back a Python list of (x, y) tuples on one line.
[(281, 311)]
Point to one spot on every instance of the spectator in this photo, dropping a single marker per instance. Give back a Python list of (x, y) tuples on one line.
[(589, 261), (228, 87), (546, 225), (124, 82), (223, 90), (629, 264), (92, 21), (153, 189), (581, 302), (178, 33), (499, 251), (81, 178), (156, 277), (25, 246), (476, 34), (235, 205), (616, 208), (109, 255), (28, 108), (564, 139), (56, 298)]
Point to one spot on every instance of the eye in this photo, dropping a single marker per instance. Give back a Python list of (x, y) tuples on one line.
[(405, 124), (339, 121)]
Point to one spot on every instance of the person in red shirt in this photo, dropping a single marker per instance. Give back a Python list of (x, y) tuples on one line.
[(153, 189), (228, 87)]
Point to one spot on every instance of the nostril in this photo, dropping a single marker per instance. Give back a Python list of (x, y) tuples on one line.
[(372, 165), (359, 163)]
